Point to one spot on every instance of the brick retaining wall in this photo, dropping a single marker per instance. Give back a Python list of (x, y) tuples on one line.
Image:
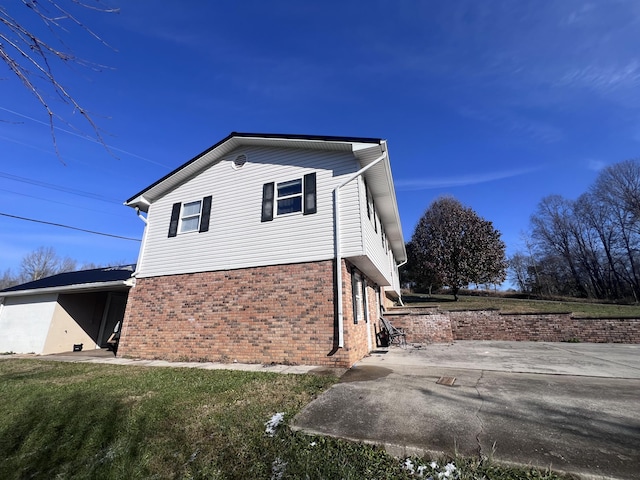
[(429, 325), (560, 327), (423, 325)]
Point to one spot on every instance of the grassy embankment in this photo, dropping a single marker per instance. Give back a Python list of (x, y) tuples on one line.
[(92, 421), (506, 304)]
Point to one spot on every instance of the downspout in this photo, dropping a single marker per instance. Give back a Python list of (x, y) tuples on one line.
[(144, 240), (141, 216), (400, 293), (336, 209)]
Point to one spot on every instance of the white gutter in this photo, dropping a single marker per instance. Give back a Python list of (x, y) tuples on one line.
[(80, 287), (336, 209)]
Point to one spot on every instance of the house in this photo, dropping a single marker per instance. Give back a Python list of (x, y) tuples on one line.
[(54, 314), (267, 249)]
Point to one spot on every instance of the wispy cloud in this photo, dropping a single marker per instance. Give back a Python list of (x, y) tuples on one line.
[(604, 79), (596, 165), (459, 180), (510, 120)]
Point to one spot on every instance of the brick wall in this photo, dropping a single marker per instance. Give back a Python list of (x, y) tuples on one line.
[(428, 325), (423, 325), (282, 314), (356, 341), (491, 325)]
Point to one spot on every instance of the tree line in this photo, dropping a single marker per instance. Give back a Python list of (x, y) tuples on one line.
[(40, 263), (589, 247), (584, 248)]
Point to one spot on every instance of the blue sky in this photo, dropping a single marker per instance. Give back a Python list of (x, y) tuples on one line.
[(497, 103)]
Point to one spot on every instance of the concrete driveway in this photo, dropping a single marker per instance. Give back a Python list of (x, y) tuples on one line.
[(571, 407)]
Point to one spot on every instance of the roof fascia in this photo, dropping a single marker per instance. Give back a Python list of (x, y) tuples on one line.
[(77, 288), (143, 199)]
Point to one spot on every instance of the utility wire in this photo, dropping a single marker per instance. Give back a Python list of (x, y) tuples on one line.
[(85, 137), (72, 191), (69, 227)]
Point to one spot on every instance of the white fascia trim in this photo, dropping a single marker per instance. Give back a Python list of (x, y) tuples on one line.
[(140, 202), (78, 288)]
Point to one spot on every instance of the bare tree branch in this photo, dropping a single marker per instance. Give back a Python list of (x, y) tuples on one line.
[(29, 57)]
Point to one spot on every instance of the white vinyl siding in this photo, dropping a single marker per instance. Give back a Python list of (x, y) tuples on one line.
[(237, 237)]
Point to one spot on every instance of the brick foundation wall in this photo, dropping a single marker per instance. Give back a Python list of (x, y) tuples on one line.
[(356, 342), (281, 314), (428, 325)]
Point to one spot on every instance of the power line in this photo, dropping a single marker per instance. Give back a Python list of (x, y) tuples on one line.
[(69, 227), (48, 200), (51, 186), (85, 137)]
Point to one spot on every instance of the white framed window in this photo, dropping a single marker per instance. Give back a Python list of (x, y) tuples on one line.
[(190, 216), (357, 291), (289, 197)]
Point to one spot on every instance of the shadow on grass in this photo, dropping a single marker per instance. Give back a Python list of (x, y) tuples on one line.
[(54, 437)]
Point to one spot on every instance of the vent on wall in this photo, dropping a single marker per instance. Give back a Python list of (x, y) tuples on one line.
[(239, 161)]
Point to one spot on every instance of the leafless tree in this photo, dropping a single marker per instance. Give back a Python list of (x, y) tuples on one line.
[(591, 246), (32, 51), (44, 262), (8, 279)]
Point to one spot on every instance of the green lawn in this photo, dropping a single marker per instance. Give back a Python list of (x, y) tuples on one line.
[(96, 421), (579, 308)]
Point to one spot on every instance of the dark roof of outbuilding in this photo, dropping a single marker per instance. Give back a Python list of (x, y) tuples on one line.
[(81, 277)]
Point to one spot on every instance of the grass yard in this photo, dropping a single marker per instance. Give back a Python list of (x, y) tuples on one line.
[(579, 308), (96, 421)]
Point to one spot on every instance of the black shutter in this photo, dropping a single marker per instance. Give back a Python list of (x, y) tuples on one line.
[(267, 202), (310, 194), (206, 213), (175, 217)]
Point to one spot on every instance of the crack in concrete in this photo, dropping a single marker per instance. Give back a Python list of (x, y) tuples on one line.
[(478, 414)]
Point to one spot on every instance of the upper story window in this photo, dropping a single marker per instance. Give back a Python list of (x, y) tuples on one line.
[(292, 196), (190, 217), (366, 195), (289, 197)]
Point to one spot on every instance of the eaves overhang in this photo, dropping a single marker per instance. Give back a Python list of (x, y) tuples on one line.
[(380, 183), (78, 288), (213, 154)]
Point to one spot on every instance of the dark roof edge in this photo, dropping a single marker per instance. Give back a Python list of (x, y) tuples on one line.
[(260, 135), (326, 138), (90, 276)]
